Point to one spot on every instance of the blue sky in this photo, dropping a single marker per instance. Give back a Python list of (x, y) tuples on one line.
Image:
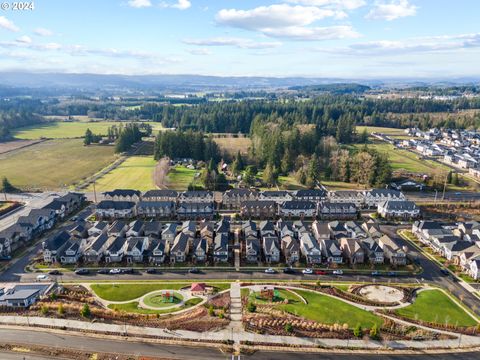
[(327, 38)]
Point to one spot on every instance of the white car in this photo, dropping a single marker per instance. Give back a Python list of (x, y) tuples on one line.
[(115, 271), (307, 271), (270, 271), (42, 277), (337, 272)]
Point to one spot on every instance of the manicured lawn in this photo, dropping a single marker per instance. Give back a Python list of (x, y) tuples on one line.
[(126, 292), (282, 295), (179, 177), (135, 173), (74, 129), (290, 183), (327, 310), (54, 164), (132, 307), (434, 306), (159, 301)]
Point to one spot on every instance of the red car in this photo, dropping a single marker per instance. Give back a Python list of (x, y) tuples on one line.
[(320, 272)]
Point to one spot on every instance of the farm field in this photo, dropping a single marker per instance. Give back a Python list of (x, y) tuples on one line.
[(62, 130), (31, 167), (233, 145), (436, 307), (135, 173), (327, 310), (9, 146), (179, 177)]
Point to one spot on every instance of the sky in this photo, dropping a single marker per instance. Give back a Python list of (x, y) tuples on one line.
[(311, 38)]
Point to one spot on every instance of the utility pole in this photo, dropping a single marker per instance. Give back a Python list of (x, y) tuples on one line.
[(444, 187), (94, 191)]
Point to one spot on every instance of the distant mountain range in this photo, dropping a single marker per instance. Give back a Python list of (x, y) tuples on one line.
[(162, 83)]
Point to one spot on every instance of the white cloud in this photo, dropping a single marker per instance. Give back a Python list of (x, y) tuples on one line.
[(180, 4), (201, 51), (232, 41), (140, 3), (339, 4), (273, 16), (429, 44), (24, 39), (313, 33), (43, 32), (391, 10), (8, 24)]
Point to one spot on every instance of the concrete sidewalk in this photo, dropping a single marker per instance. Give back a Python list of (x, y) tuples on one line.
[(237, 336)]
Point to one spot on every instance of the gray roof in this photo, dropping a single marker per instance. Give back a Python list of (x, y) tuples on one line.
[(116, 205)]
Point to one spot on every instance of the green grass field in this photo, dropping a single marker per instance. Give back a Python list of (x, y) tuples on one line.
[(157, 300), (132, 307), (327, 310), (126, 292), (61, 130), (135, 173), (396, 133), (406, 160), (54, 164), (282, 295), (179, 177), (436, 307)]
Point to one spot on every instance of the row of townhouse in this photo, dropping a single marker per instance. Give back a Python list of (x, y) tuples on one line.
[(330, 243), (458, 243), (138, 242), (235, 198), (37, 222)]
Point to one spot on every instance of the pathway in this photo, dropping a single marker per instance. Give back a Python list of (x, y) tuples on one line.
[(235, 326)]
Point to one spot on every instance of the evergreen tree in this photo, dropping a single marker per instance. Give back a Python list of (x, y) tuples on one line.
[(7, 187), (87, 140)]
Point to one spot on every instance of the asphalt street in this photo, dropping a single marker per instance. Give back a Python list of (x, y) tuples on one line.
[(177, 352)]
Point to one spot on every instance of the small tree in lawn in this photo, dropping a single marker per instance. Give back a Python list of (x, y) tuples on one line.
[(251, 307), (60, 309), (357, 331), (85, 312), (374, 332)]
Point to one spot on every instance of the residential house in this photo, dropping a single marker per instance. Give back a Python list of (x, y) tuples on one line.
[(72, 252), (207, 232), (352, 250), (115, 209), (290, 249), (96, 247), (252, 249), (271, 249), (223, 227), (180, 248), (392, 251), (347, 197), (373, 251), (197, 196), (118, 228), (135, 248), (156, 209), (233, 198), (310, 248), (298, 208), (159, 195), (259, 209), (189, 228), (331, 251), (400, 209), (249, 229), (220, 248), (277, 196), (199, 249), (152, 229), (98, 228), (53, 246), (335, 210), (115, 251), (123, 195), (321, 230), (314, 195), (377, 196), (194, 210), (157, 251), (135, 229), (169, 233), (474, 270), (267, 228)]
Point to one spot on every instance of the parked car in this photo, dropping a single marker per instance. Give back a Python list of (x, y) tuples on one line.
[(337, 272), (128, 271), (270, 271), (444, 272), (307, 271), (151, 271), (102, 271), (82, 271), (375, 273), (320, 272), (288, 270), (194, 271), (55, 272), (392, 273), (115, 271), (42, 277)]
